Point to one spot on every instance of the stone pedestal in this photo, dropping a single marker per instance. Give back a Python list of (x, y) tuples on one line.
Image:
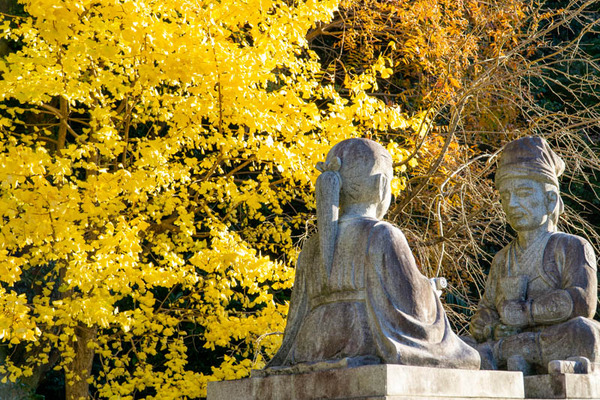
[(375, 382), (563, 386)]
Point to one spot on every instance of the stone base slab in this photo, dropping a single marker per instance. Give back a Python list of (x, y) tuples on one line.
[(376, 382), (563, 386)]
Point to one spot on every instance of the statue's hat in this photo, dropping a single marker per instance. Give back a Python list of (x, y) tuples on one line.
[(529, 157)]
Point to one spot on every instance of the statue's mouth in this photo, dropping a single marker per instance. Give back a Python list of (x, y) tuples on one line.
[(516, 215)]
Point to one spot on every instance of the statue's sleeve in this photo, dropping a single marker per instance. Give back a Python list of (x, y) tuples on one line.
[(299, 303), (486, 316), (574, 261), (407, 320)]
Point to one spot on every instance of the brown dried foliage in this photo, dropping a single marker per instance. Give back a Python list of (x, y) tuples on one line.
[(486, 73)]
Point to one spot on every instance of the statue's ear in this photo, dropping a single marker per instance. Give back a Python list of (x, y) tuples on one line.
[(384, 195), (382, 185), (551, 200)]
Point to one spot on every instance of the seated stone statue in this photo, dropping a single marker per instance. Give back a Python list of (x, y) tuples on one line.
[(541, 291), (358, 296)]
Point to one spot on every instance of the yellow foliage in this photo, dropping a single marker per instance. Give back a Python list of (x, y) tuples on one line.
[(152, 156)]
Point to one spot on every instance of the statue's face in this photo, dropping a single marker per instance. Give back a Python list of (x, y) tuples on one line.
[(525, 203)]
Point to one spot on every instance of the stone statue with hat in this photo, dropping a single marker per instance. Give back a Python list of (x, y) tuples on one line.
[(541, 292)]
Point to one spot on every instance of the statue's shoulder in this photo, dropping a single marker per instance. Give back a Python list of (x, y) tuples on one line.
[(384, 229), (574, 248), (567, 240), (385, 236), (312, 240), (500, 256), (310, 247)]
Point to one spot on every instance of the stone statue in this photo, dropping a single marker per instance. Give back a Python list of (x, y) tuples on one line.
[(541, 291), (358, 296)]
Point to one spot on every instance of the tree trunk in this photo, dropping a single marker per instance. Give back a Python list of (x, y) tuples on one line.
[(81, 366), (6, 7)]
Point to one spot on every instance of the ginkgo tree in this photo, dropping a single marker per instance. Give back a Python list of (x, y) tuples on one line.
[(156, 159)]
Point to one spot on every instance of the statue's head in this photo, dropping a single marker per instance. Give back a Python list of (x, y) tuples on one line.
[(366, 171), (527, 179), (356, 172)]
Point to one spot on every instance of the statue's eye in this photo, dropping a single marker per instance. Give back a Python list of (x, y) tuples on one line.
[(524, 192)]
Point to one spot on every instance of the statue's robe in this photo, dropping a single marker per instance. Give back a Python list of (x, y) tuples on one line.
[(374, 304), (558, 277)]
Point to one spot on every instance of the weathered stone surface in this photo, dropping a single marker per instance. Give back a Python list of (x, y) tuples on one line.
[(563, 386), (573, 365), (358, 293), (384, 381), (541, 293)]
